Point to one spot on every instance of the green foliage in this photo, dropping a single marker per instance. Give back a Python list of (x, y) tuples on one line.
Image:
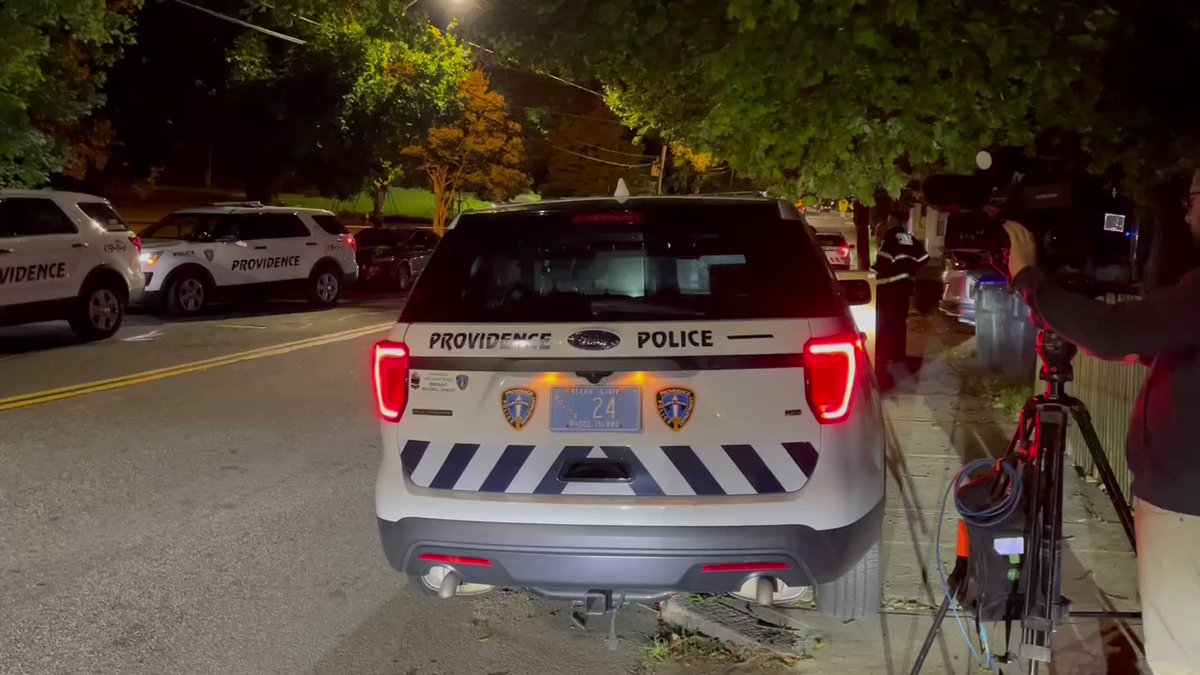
[(472, 147), (337, 112), (53, 59), (834, 96), (408, 203)]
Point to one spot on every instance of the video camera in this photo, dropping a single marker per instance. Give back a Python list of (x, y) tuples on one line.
[(1086, 229)]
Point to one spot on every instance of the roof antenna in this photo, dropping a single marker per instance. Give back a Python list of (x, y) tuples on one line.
[(622, 192)]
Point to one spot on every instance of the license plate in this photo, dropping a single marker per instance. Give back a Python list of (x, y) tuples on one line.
[(595, 409)]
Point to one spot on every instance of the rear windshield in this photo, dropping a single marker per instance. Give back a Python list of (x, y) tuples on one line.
[(330, 224), (190, 226), (831, 240), (104, 215), (380, 236), (696, 263)]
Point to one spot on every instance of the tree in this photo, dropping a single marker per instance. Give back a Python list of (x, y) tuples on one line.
[(54, 55), (476, 148), (597, 134), (406, 86), (695, 171), (841, 96), (337, 112)]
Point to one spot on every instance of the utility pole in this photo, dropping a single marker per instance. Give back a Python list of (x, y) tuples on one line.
[(662, 168)]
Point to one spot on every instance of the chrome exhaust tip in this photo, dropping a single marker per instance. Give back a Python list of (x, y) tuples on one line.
[(449, 587), (764, 591)]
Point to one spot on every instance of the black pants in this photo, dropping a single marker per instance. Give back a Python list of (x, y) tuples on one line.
[(891, 335)]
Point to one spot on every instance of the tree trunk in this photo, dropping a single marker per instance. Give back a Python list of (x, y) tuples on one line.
[(862, 232), (208, 167), (441, 197), (380, 198), (260, 189)]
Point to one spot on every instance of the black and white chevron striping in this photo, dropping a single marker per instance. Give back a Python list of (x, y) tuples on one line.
[(670, 470)]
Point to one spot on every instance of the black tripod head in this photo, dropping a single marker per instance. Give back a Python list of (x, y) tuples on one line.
[(1056, 355)]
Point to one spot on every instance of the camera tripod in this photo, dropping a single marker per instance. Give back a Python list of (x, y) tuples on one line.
[(1039, 445)]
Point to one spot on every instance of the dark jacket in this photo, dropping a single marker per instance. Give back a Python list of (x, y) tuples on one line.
[(899, 257), (1163, 446)]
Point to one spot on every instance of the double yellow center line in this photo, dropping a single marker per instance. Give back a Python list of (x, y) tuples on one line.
[(49, 395)]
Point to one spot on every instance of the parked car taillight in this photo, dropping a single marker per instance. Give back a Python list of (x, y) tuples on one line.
[(137, 242), (830, 374), (391, 379)]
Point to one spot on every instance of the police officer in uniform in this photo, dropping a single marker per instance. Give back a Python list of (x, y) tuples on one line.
[(899, 257)]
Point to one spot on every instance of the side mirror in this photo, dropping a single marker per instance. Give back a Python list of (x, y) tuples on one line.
[(858, 291)]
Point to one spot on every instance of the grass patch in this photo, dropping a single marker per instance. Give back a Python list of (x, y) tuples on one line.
[(1005, 393), (674, 651), (962, 352), (400, 203), (686, 646)]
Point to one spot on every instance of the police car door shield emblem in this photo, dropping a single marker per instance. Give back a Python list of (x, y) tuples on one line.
[(461, 381), (208, 254), (518, 405), (675, 406)]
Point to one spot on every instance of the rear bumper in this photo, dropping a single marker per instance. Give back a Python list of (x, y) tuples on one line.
[(963, 311), (567, 561)]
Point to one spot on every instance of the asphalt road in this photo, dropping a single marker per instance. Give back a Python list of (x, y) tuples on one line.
[(221, 520)]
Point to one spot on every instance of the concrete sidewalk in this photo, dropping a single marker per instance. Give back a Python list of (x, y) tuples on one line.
[(933, 430)]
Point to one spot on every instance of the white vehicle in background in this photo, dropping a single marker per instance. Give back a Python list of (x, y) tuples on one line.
[(66, 255), (615, 400), (229, 251), (839, 253)]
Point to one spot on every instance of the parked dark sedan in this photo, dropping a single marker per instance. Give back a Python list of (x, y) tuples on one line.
[(393, 256)]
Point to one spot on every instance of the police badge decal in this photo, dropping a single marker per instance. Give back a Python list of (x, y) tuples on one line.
[(518, 405), (675, 406)]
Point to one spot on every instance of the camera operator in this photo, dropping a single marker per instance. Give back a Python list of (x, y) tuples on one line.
[(899, 257), (1163, 446)]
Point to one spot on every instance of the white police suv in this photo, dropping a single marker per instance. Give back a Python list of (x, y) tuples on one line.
[(614, 400), (229, 250), (66, 255)]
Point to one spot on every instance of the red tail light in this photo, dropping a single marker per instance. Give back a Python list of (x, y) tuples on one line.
[(391, 379), (746, 567), (830, 372), (845, 251), (352, 242), (137, 242), (454, 560)]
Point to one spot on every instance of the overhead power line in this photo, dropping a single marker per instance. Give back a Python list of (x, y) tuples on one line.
[(600, 160), (298, 41), (589, 157), (639, 155), (243, 24), (537, 71)]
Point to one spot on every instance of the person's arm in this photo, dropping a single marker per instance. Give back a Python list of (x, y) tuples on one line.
[(1166, 320)]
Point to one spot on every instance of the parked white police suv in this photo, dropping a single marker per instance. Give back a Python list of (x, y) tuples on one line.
[(613, 400), (229, 250), (66, 255)]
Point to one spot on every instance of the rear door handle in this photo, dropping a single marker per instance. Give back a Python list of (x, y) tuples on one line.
[(79, 244), (311, 243), (260, 248), (6, 250)]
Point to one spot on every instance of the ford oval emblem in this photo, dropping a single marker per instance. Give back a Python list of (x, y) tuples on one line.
[(594, 340)]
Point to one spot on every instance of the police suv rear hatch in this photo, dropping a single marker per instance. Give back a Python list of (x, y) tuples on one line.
[(672, 349)]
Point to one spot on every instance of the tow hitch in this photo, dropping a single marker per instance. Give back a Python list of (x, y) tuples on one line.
[(599, 603)]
